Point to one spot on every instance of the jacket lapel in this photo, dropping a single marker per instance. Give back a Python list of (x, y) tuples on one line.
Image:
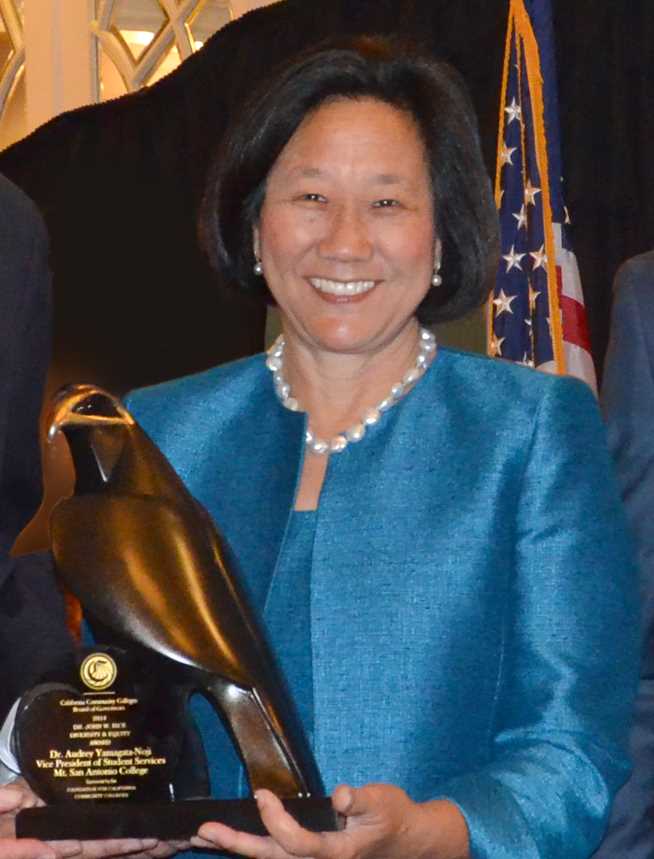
[(261, 438)]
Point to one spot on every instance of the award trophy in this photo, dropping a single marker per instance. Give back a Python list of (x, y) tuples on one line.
[(107, 746)]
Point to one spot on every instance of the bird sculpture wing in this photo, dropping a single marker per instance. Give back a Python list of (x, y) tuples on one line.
[(149, 571)]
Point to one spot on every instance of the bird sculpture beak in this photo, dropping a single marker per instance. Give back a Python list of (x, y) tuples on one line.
[(70, 408), (72, 419)]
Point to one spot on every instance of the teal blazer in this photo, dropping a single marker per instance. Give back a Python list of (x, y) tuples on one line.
[(473, 598)]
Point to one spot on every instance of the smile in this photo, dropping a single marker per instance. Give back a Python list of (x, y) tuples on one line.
[(339, 287)]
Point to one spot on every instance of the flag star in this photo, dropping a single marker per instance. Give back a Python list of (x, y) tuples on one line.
[(495, 345), (526, 361), (533, 295), (528, 322), (513, 259), (567, 219), (521, 217), (505, 154), (539, 257), (503, 302), (530, 193), (513, 111)]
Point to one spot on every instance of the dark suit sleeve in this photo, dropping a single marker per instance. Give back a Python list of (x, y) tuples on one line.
[(24, 355), (33, 634), (628, 407)]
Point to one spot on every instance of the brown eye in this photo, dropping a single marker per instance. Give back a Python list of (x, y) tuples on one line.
[(386, 203)]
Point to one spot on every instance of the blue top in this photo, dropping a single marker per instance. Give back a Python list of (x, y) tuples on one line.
[(470, 555), (288, 623), (288, 613)]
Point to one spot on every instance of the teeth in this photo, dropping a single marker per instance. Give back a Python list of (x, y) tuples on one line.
[(339, 287)]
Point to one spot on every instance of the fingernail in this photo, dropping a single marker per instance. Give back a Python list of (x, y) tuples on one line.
[(260, 798)]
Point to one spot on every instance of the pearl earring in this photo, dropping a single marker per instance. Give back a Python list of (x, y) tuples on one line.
[(258, 268), (436, 279)]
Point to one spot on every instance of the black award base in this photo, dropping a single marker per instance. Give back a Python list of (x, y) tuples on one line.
[(164, 820)]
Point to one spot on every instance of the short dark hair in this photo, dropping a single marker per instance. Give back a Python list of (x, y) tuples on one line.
[(366, 67)]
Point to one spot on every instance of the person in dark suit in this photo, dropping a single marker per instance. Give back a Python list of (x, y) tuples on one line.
[(29, 599), (628, 407)]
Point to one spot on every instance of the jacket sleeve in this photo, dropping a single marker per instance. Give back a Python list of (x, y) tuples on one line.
[(628, 406), (24, 356), (569, 673)]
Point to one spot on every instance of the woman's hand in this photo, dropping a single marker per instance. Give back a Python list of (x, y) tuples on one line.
[(13, 798), (380, 821), (18, 795)]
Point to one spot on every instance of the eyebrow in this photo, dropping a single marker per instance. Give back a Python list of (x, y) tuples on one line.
[(378, 179)]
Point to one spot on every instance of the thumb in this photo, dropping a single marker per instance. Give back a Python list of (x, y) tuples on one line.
[(10, 798), (351, 801)]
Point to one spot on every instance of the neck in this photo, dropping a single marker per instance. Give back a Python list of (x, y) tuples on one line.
[(364, 388), (336, 389)]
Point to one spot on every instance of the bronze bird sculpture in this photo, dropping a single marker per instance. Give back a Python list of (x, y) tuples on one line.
[(144, 558)]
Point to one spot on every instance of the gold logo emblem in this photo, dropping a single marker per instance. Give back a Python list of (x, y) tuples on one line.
[(98, 671)]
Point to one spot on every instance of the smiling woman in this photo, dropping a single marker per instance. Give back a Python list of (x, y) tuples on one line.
[(434, 539), (347, 244)]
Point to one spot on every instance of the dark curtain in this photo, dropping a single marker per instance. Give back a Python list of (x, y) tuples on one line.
[(605, 56), (120, 183)]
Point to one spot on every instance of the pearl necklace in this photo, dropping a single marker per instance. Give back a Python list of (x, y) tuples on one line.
[(275, 363)]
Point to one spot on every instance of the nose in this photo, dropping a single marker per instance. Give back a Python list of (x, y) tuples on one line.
[(347, 236)]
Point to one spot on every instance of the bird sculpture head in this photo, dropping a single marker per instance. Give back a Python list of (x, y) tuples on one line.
[(94, 424)]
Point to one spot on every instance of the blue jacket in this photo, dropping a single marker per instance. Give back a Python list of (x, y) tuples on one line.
[(473, 604)]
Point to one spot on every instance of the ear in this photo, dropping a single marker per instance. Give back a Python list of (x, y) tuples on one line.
[(256, 242)]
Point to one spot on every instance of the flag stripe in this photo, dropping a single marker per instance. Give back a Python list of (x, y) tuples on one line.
[(574, 322)]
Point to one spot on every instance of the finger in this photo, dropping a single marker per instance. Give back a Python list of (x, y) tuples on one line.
[(17, 795), (25, 848), (7, 827), (64, 849), (29, 800), (116, 847), (162, 850), (344, 799), (169, 848), (359, 801), (201, 843), (10, 798), (217, 835), (284, 829)]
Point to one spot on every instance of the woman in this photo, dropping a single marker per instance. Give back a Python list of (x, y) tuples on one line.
[(433, 538)]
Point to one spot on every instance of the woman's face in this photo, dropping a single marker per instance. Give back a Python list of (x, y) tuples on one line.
[(346, 232)]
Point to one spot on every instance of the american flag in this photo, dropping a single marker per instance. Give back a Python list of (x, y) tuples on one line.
[(536, 312)]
